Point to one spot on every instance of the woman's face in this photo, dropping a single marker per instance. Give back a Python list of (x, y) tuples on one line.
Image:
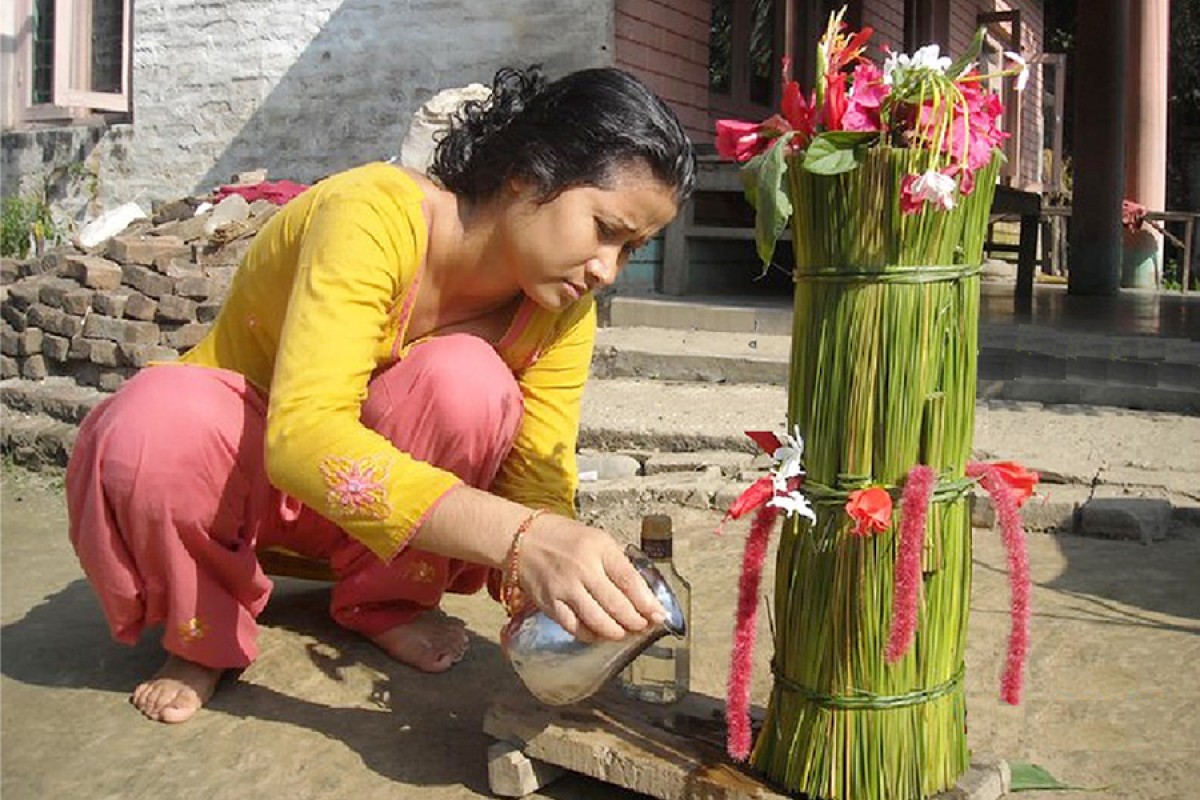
[(581, 240)]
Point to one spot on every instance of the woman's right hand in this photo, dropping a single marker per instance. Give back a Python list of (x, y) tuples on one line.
[(581, 577)]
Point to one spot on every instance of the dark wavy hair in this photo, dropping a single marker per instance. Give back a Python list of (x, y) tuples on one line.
[(575, 131)]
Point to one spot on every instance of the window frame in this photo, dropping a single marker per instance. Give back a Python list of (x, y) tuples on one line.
[(993, 22), (71, 65)]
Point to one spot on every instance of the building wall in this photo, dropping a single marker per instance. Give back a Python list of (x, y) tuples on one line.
[(665, 43), (302, 88)]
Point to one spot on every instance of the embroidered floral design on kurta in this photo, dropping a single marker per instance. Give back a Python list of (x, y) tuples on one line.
[(356, 486), (193, 630)]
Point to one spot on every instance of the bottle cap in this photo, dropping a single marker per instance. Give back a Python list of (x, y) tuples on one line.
[(656, 527)]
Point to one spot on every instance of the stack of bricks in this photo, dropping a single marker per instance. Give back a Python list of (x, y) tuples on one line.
[(146, 295)]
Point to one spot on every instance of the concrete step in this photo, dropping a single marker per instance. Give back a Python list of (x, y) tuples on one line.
[(1015, 363)]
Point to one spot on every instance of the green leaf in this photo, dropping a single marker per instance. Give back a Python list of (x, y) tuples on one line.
[(749, 175), (835, 152), (1031, 777), (771, 202), (968, 56), (1028, 777)]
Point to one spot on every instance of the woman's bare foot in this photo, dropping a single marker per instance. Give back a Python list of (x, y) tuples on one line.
[(433, 642), (177, 690)]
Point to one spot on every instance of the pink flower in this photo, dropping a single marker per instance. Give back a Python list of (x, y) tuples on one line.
[(739, 140), (1008, 512), (742, 141), (737, 708), (906, 588), (871, 510), (867, 91)]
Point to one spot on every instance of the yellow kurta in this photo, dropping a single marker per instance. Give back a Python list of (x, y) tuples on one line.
[(319, 304)]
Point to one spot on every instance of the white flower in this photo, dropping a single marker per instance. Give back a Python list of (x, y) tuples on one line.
[(935, 187), (928, 58), (790, 452), (1023, 75), (794, 503)]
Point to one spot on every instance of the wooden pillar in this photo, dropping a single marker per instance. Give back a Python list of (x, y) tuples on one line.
[(1099, 146), (1146, 105)]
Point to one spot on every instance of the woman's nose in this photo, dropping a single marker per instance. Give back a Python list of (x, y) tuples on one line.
[(602, 270)]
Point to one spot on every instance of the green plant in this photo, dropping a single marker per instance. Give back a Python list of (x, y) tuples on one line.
[(25, 223)]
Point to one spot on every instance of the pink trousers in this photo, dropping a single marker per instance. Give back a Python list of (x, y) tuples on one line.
[(169, 500)]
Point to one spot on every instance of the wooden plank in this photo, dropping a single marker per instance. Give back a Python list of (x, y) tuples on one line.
[(674, 752), (670, 752)]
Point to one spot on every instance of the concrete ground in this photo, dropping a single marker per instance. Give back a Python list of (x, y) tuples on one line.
[(1112, 696)]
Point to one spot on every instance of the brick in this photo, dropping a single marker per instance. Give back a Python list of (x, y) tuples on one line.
[(198, 287), (140, 355), (13, 316), (56, 348), (105, 353), (94, 272), (52, 320), (121, 330), (9, 367), (182, 269), (33, 368), (24, 293), (78, 302), (147, 281), (138, 306), (186, 230), (228, 256), (10, 270), (111, 304), (111, 379), (181, 209), (176, 309), (513, 774), (21, 343), (53, 291), (186, 336), (146, 250), (86, 374), (207, 312), (81, 349)]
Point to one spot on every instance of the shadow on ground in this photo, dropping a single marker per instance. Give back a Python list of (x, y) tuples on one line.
[(411, 731)]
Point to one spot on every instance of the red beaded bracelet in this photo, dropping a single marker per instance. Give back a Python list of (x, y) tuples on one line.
[(510, 585)]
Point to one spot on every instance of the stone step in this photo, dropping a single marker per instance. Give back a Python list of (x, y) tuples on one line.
[(36, 441), (57, 397), (1047, 367)]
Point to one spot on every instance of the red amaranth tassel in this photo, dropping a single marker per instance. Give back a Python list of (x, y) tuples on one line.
[(737, 708), (906, 588), (1013, 533)]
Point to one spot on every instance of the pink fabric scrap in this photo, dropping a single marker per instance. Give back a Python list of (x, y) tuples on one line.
[(277, 192)]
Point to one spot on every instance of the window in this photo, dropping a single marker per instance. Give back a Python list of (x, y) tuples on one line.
[(926, 22), (744, 56), (747, 42), (71, 59)]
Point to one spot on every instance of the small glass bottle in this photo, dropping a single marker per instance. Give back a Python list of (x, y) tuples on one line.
[(662, 672)]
